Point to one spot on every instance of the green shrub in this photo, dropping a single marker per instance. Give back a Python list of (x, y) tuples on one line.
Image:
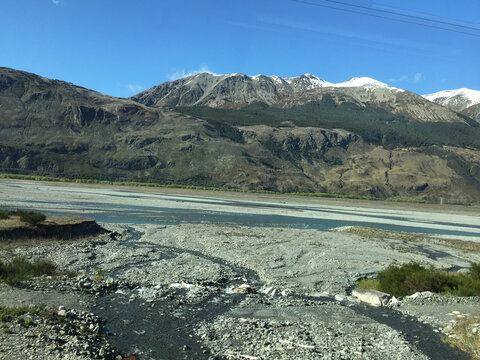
[(21, 269), (406, 279), (30, 217), (367, 284), (475, 270), (4, 214)]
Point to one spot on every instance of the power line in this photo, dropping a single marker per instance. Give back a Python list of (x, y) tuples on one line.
[(405, 15), (385, 17)]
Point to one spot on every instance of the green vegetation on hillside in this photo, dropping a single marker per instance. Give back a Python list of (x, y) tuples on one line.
[(407, 279), (375, 125)]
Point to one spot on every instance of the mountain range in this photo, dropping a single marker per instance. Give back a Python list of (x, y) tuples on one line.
[(300, 134), (238, 90)]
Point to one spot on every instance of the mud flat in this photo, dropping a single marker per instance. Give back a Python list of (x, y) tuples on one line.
[(203, 291)]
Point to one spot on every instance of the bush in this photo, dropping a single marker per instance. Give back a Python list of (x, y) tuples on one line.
[(4, 214), (21, 269), (367, 284), (30, 217), (475, 270), (410, 278)]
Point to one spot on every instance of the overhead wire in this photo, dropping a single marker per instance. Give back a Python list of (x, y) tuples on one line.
[(404, 15), (386, 18)]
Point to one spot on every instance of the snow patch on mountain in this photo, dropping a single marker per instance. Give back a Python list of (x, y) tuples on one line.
[(361, 81), (309, 81), (460, 97)]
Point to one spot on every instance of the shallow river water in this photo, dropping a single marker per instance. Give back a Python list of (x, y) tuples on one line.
[(121, 206)]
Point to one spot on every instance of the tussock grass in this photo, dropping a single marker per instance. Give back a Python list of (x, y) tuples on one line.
[(407, 279), (21, 269), (465, 339)]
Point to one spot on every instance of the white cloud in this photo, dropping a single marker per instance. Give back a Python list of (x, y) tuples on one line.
[(399, 79), (417, 77), (184, 73), (135, 88), (57, 2)]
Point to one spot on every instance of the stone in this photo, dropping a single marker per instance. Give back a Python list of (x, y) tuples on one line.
[(421, 295), (393, 301), (371, 297), (243, 289)]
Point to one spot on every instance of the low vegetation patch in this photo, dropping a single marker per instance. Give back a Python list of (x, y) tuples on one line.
[(20, 315), (21, 269), (28, 217), (467, 336), (407, 279), (370, 232), (4, 214)]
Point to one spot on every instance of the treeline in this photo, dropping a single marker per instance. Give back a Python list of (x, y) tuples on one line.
[(375, 125)]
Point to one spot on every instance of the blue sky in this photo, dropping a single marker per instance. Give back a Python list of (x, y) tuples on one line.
[(120, 47)]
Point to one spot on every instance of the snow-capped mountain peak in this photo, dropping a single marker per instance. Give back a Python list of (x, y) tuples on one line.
[(364, 81), (458, 99), (361, 81)]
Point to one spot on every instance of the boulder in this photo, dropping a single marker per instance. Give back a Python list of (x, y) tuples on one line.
[(421, 295), (371, 297), (244, 289)]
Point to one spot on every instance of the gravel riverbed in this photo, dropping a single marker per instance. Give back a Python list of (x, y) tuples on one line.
[(227, 292)]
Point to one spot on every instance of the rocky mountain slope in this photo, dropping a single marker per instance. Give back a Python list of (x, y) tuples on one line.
[(228, 91), (237, 91), (50, 127), (473, 112)]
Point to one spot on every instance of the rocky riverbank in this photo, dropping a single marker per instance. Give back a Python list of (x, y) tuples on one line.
[(227, 292)]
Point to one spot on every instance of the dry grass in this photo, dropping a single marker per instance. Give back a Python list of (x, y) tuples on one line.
[(466, 338), (469, 246), (21, 269), (369, 232), (11, 223), (14, 221)]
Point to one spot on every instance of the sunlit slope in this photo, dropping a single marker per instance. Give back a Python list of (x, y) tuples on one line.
[(50, 127)]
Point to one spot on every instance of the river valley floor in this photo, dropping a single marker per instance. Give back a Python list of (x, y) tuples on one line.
[(203, 290)]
